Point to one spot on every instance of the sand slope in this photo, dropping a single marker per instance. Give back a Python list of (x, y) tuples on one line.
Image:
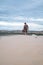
[(21, 50)]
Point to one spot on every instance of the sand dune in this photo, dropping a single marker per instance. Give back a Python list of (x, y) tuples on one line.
[(21, 50)]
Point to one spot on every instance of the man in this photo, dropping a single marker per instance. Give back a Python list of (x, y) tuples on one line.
[(25, 29)]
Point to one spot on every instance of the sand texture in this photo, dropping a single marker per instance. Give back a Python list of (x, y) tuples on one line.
[(21, 50)]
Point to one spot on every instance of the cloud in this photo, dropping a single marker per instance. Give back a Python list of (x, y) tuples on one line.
[(19, 11), (36, 19), (22, 7), (21, 19), (30, 5), (3, 23), (17, 26)]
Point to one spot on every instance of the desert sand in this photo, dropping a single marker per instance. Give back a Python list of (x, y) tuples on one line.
[(21, 50)]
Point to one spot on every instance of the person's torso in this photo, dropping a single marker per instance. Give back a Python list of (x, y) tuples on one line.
[(25, 27)]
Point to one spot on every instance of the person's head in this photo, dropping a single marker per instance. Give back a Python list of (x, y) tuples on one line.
[(25, 23)]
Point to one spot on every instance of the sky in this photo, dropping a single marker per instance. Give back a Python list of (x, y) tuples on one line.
[(13, 14)]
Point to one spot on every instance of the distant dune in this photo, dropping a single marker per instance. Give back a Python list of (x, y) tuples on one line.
[(6, 32), (21, 50)]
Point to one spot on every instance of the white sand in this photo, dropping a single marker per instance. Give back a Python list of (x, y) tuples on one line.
[(21, 50)]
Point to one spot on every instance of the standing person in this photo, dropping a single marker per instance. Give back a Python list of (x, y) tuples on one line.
[(25, 28)]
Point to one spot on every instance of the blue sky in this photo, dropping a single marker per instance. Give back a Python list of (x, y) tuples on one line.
[(16, 12)]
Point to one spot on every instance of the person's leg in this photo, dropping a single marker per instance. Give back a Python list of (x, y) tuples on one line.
[(25, 32)]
